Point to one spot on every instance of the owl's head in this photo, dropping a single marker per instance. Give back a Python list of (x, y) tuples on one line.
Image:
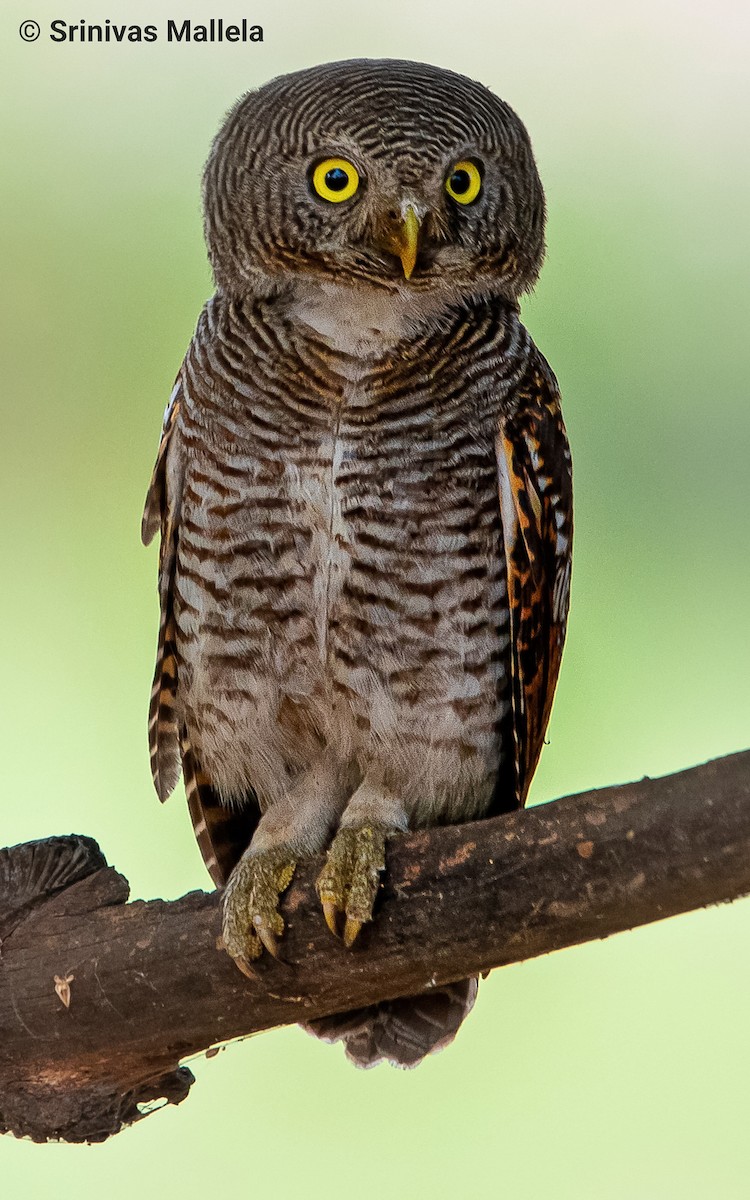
[(383, 173)]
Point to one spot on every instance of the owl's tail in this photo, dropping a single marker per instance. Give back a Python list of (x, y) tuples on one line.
[(401, 1032)]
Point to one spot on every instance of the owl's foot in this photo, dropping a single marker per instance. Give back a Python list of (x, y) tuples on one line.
[(251, 917), (348, 883)]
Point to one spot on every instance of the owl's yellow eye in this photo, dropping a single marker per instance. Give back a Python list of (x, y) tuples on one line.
[(464, 182), (335, 179)]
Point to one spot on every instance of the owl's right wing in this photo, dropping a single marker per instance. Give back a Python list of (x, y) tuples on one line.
[(162, 512), (222, 831), (536, 505)]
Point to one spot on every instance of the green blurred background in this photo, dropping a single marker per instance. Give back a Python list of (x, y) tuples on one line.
[(616, 1070)]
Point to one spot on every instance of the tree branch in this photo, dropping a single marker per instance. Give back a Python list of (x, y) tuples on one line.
[(147, 986)]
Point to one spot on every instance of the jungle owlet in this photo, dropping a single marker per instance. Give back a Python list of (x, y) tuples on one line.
[(364, 495)]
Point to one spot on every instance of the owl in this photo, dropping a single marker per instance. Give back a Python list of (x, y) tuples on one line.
[(363, 489)]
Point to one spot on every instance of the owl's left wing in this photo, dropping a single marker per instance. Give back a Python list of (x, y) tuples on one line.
[(536, 504)]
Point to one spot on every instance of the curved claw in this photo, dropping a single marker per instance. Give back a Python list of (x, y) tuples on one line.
[(331, 913), (245, 967), (266, 935), (351, 931)]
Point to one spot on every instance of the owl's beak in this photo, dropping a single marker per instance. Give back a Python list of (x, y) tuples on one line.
[(403, 240), (407, 251)]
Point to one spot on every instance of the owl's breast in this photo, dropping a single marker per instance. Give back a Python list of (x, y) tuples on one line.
[(340, 578)]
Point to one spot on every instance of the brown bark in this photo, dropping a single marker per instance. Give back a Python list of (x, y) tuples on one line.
[(147, 985)]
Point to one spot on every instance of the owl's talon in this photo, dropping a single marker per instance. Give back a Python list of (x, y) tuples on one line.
[(349, 881), (251, 918)]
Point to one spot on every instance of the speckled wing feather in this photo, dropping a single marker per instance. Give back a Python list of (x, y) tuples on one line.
[(536, 500)]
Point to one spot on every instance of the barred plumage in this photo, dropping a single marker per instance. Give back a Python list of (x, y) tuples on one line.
[(364, 494)]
